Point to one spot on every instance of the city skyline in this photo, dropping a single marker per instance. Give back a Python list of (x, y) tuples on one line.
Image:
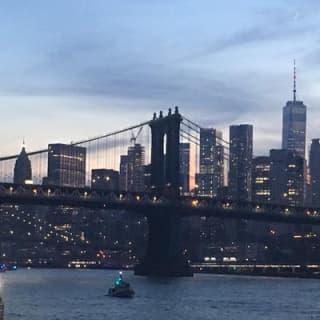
[(172, 147), (100, 63)]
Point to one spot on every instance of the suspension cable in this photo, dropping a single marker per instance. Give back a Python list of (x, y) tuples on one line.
[(198, 139), (79, 142), (225, 155), (197, 126)]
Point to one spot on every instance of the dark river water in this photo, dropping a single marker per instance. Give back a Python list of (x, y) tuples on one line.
[(80, 294)]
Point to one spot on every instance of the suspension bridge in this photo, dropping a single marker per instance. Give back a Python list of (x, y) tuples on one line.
[(140, 169)]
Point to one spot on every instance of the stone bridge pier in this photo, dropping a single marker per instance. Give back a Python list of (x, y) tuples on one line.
[(164, 255)]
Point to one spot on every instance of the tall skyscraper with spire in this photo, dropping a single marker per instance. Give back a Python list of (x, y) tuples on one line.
[(294, 123)]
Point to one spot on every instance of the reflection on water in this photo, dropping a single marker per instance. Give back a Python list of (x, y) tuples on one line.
[(76, 294)]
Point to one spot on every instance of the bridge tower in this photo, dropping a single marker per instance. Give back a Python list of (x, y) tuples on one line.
[(165, 166), (164, 255)]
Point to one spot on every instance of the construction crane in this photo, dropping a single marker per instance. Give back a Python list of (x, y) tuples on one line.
[(135, 137)]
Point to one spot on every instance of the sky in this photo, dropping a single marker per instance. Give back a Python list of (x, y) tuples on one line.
[(76, 69)]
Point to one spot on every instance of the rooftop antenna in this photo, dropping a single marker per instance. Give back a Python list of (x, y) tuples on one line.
[(294, 81)]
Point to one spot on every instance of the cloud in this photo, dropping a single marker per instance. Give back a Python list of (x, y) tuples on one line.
[(219, 71), (283, 21), (252, 36), (90, 68)]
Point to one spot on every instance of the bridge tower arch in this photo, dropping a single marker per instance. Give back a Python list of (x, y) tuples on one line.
[(164, 254), (165, 165)]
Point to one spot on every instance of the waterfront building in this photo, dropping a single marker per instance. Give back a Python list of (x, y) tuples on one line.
[(314, 165), (66, 165), (240, 170), (184, 154), (294, 124), (105, 179), (211, 176), (22, 168)]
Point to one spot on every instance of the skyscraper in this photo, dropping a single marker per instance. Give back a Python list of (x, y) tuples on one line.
[(314, 165), (240, 170), (123, 173), (294, 124), (261, 188), (22, 168), (184, 167), (132, 169), (286, 177), (211, 176), (66, 165)]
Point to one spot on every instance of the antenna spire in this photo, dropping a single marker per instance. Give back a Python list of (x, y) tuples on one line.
[(294, 81)]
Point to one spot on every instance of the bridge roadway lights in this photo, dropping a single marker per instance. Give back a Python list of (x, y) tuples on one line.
[(164, 256)]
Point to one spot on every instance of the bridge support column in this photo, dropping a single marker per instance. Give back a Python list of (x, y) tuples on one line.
[(173, 150), (164, 256), (157, 155)]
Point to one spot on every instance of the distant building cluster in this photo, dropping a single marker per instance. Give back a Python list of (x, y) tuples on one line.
[(67, 165), (222, 169), (283, 176)]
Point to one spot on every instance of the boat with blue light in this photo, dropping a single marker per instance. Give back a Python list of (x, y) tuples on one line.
[(8, 267), (121, 289)]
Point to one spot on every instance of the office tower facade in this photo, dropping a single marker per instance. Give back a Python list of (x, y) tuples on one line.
[(147, 177), (123, 173), (211, 176), (240, 167), (314, 166), (294, 124), (22, 168), (105, 179), (132, 169), (184, 156), (261, 187), (286, 177), (66, 165)]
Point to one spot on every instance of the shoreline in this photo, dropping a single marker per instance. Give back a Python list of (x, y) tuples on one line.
[(207, 270), (305, 272), (266, 274)]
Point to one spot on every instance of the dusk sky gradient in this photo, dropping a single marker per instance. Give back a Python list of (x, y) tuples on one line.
[(75, 69)]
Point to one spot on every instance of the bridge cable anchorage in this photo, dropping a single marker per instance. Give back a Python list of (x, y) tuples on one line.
[(12, 157)]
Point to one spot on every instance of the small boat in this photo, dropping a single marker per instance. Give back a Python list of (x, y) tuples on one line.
[(121, 289)]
